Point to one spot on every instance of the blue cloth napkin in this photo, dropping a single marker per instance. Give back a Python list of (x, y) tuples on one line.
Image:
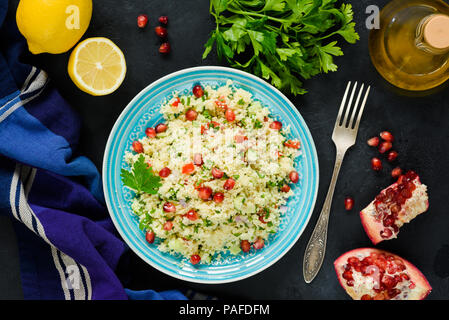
[(55, 198)]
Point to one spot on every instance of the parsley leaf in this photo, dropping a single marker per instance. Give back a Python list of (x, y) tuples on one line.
[(141, 178)]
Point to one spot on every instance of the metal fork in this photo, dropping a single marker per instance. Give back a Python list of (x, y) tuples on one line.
[(344, 137)]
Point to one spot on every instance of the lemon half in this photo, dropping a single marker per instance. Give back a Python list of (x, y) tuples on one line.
[(97, 66)]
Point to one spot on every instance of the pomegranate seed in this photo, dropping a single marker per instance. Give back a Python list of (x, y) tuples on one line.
[(229, 184), (349, 203), (276, 125), (163, 19), (150, 132), (198, 91), (161, 127), (285, 188), (169, 207), (191, 115), (385, 146), (137, 147), (142, 21), (387, 136), (347, 275), (192, 215), (386, 233), (392, 155), (396, 172), (259, 244), (219, 197), (245, 245), (205, 193), (195, 259), (294, 176), (373, 142), (164, 48), (161, 31), (376, 164), (168, 226), (230, 115), (198, 159), (165, 172), (149, 236), (366, 297), (217, 173)]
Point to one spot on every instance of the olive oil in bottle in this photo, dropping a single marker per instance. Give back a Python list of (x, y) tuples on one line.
[(411, 48)]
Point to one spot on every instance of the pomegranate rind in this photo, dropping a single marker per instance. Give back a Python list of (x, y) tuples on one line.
[(414, 206), (420, 292)]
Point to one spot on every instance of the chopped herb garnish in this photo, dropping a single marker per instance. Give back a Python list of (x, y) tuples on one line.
[(141, 178)]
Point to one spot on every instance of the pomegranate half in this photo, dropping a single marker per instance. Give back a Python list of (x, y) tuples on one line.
[(398, 204), (373, 274)]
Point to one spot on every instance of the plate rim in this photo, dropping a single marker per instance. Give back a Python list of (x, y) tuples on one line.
[(105, 166)]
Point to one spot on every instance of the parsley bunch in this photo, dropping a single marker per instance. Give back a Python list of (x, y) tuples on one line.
[(141, 178), (281, 40)]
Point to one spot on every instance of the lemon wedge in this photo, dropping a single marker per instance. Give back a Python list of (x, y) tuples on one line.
[(97, 66)]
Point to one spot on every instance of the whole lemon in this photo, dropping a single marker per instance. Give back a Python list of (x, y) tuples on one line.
[(53, 26)]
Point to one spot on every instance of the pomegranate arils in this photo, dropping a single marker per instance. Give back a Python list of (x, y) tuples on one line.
[(163, 19), (161, 31), (385, 146), (149, 236), (198, 91), (142, 21), (376, 164), (245, 245), (387, 136), (164, 48), (195, 259), (137, 146), (392, 155), (396, 172), (349, 203), (373, 142)]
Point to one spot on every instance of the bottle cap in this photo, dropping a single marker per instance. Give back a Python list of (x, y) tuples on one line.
[(436, 31)]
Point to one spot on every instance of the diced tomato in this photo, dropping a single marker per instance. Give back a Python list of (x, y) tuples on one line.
[(240, 139), (165, 172), (221, 103), (213, 124), (230, 115), (292, 144), (150, 132), (279, 154), (176, 102), (169, 207), (261, 218), (137, 146), (229, 184), (205, 193), (218, 197), (276, 125), (191, 115), (149, 236), (245, 245), (188, 168), (203, 129), (195, 259), (265, 119), (192, 215), (217, 173), (168, 226), (198, 159), (259, 244)]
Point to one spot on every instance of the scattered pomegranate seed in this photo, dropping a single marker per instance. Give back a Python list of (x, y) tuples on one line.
[(161, 31), (219, 197), (198, 91), (168, 226), (349, 203), (164, 48), (276, 125), (385, 146), (285, 188), (387, 136), (150, 132), (229, 184), (142, 21), (245, 245), (205, 193), (169, 207), (294, 176), (195, 259), (396, 172), (259, 244), (149, 236), (165, 172), (373, 142), (192, 215), (188, 168), (230, 115), (161, 127), (392, 155), (376, 164), (137, 147), (191, 115), (198, 159), (163, 19), (217, 173)]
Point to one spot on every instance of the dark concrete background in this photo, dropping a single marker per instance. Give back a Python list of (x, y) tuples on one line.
[(418, 123)]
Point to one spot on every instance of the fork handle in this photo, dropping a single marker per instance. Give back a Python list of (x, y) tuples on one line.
[(316, 248)]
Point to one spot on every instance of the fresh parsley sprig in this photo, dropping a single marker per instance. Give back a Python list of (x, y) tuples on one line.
[(141, 178), (281, 40)]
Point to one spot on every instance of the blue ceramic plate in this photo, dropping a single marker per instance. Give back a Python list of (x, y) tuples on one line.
[(143, 112)]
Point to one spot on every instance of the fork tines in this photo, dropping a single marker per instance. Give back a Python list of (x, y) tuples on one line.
[(347, 122)]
